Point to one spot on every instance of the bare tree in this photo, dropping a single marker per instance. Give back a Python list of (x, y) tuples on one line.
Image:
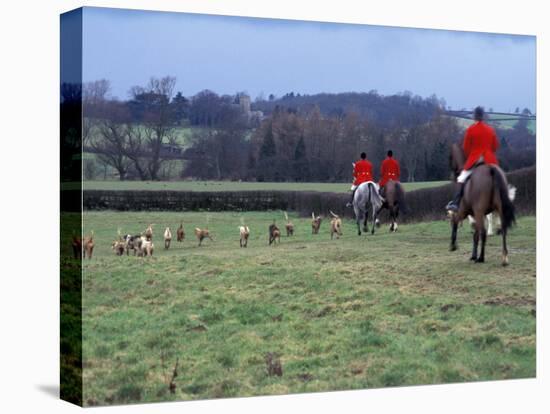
[(111, 143), (136, 149), (157, 121), (95, 98)]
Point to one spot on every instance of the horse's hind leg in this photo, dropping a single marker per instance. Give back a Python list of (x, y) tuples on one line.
[(393, 219), (396, 213), (366, 222), (374, 215), (454, 227), (504, 248), (481, 257), (376, 220), (474, 245)]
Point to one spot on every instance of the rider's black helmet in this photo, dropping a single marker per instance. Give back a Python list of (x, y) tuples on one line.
[(479, 113), (363, 155), (390, 153)]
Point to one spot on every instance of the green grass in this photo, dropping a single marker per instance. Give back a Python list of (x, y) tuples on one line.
[(234, 186), (358, 312)]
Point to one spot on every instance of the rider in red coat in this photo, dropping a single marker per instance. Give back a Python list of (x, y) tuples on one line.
[(362, 172), (480, 145), (480, 141), (389, 170)]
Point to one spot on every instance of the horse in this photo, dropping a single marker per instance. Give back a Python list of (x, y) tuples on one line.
[(394, 200), (457, 160), (486, 191), (366, 193)]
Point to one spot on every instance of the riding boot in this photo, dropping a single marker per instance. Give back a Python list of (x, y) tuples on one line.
[(455, 203), (350, 204)]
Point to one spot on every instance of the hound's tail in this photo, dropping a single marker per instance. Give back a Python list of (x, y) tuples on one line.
[(508, 210)]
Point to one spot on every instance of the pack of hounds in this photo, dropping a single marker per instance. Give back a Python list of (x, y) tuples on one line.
[(141, 245)]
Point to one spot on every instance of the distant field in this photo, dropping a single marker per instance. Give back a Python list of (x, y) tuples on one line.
[(359, 312), (465, 123), (235, 186)]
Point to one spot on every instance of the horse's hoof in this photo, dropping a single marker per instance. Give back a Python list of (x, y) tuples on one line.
[(480, 260), (504, 260), (453, 247), (473, 259)]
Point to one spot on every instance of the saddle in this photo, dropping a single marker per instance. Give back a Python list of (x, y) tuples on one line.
[(478, 163)]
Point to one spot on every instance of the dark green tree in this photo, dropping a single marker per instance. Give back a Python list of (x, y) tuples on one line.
[(268, 149), (301, 167)]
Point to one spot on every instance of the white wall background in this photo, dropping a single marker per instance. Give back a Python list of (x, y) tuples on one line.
[(29, 140)]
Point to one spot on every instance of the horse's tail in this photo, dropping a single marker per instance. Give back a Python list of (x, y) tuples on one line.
[(508, 210), (374, 195), (400, 197)]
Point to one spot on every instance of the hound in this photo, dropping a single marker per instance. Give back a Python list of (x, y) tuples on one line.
[(202, 234), (274, 234), (315, 223), (335, 226), (167, 237), (289, 226), (244, 233)]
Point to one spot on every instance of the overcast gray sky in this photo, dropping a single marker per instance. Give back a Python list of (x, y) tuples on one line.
[(231, 54)]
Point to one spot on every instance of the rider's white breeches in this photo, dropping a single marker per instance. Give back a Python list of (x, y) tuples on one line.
[(463, 176)]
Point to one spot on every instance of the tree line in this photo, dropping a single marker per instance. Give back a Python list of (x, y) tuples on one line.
[(297, 138)]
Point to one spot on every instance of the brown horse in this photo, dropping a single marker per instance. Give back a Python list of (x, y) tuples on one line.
[(394, 196), (486, 191)]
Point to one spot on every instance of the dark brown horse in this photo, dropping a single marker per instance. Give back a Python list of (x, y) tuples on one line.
[(394, 196), (486, 191)]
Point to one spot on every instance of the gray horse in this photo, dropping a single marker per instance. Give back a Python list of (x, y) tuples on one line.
[(365, 194)]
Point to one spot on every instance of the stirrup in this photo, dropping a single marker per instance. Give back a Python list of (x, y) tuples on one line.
[(452, 206)]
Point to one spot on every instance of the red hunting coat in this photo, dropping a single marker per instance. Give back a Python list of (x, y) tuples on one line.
[(389, 171), (480, 140), (362, 172)]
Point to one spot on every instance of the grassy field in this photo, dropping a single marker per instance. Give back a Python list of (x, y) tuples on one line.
[(234, 186), (494, 121), (358, 312)]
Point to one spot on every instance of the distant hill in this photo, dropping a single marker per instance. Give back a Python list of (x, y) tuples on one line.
[(384, 110)]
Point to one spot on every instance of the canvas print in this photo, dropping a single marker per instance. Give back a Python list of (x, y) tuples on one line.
[(260, 206)]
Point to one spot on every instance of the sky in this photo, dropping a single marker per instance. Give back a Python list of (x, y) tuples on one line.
[(269, 56)]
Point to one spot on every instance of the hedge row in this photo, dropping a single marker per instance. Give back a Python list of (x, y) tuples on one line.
[(424, 204)]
